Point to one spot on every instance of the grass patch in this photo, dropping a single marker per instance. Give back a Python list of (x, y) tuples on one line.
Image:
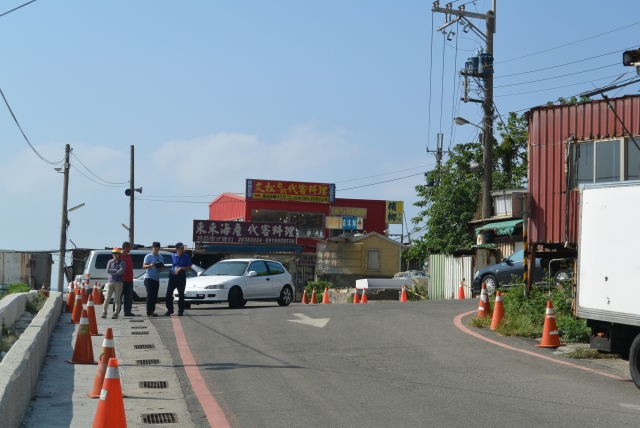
[(589, 354), (524, 316), (34, 305), (15, 288), (481, 322)]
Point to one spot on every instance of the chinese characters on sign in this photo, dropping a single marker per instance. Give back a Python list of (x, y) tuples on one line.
[(333, 222), (348, 212), (351, 223), (395, 210), (290, 191), (208, 231)]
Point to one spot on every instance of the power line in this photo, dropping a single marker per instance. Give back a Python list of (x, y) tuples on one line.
[(558, 77), (379, 175), (380, 182), (24, 135), (91, 179), (91, 172), (562, 65), (568, 44), (558, 87), (16, 8)]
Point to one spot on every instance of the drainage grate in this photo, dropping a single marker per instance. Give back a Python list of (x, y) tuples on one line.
[(136, 320), (139, 332), (147, 362), (138, 326), (160, 384), (144, 346), (159, 418)]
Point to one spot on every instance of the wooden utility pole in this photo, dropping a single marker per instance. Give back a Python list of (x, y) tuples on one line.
[(63, 223), (485, 72), (131, 201)]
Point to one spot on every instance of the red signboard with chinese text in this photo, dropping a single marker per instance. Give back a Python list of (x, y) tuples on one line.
[(290, 191), (208, 231)]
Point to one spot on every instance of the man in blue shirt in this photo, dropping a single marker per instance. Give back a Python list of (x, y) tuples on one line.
[(154, 264), (181, 263)]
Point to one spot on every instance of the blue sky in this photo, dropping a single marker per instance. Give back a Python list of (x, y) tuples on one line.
[(211, 93)]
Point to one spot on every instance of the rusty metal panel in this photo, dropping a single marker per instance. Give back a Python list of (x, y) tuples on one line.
[(16, 268), (549, 129), (227, 207)]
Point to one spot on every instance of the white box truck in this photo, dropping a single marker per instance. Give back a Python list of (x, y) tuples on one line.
[(608, 269)]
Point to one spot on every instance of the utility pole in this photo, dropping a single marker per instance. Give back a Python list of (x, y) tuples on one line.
[(63, 223), (480, 67), (439, 152), (131, 199)]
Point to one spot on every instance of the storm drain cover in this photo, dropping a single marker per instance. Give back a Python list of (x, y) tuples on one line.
[(136, 320), (147, 362), (139, 332), (144, 346), (159, 418), (139, 326), (159, 384)]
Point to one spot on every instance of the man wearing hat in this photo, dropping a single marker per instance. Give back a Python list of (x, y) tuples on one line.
[(115, 269), (181, 263)]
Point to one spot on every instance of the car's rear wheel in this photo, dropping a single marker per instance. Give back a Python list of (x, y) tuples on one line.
[(242, 303), (286, 295), (561, 276), (235, 297), (492, 284)]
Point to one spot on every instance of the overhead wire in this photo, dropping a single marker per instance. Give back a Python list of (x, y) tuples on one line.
[(569, 44), (556, 87), (16, 8), (25, 136), (381, 182), (91, 179), (92, 173), (558, 77)]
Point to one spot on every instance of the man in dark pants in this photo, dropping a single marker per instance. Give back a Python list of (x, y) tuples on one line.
[(154, 264), (127, 281), (181, 263)]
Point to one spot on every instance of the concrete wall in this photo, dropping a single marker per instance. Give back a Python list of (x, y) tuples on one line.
[(21, 366), (12, 307), (343, 281), (389, 256)]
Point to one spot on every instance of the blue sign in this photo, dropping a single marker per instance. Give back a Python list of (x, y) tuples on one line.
[(349, 223)]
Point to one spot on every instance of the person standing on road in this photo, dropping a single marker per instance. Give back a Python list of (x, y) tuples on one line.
[(127, 280), (153, 263), (115, 269), (181, 263)]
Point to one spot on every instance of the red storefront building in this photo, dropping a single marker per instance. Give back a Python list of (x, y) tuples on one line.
[(311, 207)]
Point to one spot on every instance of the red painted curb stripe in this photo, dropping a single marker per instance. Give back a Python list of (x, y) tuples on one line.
[(457, 321), (212, 410)]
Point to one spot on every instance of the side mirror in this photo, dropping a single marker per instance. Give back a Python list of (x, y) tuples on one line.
[(252, 273), (504, 261)]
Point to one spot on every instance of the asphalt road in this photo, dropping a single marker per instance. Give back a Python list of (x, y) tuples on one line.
[(383, 365)]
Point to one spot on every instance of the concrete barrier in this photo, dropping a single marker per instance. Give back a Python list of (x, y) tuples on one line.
[(12, 307), (21, 366)]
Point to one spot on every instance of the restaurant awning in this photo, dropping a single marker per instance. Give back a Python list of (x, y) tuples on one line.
[(500, 227)]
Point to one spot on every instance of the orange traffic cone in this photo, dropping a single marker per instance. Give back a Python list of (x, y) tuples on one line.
[(498, 311), (108, 351), (325, 297), (364, 299), (97, 295), (314, 300), (484, 308), (305, 300), (550, 337), (77, 309), (110, 412), (83, 293), (356, 297), (91, 314), (71, 297), (461, 291), (403, 295), (83, 351)]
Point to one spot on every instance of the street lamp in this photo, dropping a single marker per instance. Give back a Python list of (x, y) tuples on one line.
[(487, 156)]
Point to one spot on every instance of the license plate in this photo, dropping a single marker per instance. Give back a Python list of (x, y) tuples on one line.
[(190, 294)]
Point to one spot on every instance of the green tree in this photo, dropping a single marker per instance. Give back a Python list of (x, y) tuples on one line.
[(452, 196)]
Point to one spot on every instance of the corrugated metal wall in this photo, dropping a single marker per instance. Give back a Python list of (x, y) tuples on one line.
[(227, 207), (549, 129), (505, 249), (25, 268), (446, 273)]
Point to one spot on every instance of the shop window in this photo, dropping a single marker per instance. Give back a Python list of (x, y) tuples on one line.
[(607, 161), (270, 216), (308, 224), (633, 159), (373, 260)]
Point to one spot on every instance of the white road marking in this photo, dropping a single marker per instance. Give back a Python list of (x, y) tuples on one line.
[(318, 322), (630, 406)]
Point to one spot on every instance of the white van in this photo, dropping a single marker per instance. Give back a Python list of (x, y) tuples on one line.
[(97, 260)]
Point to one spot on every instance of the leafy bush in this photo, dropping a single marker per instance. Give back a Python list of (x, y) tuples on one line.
[(18, 288), (34, 305), (318, 285)]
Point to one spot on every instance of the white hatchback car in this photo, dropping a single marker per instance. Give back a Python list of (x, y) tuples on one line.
[(140, 291), (238, 281)]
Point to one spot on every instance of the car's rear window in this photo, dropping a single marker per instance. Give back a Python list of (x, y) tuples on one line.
[(226, 269)]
